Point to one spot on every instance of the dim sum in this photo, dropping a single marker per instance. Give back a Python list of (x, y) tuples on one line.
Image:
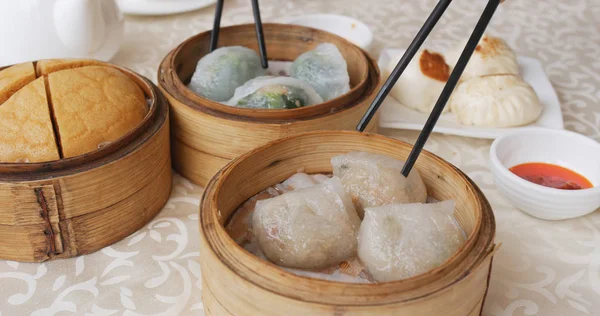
[(308, 228), (495, 101), (375, 180), (325, 69), (491, 57), (421, 82), (267, 92), (219, 73), (398, 241)]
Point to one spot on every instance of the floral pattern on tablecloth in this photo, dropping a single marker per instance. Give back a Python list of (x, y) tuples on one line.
[(542, 268)]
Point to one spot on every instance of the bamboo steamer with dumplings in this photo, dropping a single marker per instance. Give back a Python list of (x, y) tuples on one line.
[(206, 135), (84, 157), (239, 283)]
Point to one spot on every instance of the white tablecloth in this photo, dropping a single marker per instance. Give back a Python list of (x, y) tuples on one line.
[(542, 268)]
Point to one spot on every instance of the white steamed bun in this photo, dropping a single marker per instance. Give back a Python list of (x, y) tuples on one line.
[(491, 57), (495, 101), (422, 81)]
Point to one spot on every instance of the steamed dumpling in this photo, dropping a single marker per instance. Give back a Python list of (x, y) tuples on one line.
[(219, 73), (399, 241), (491, 57), (301, 181), (325, 69), (495, 101), (268, 92), (309, 228), (422, 82), (374, 180)]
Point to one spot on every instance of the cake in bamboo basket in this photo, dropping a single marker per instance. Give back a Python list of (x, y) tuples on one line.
[(84, 157), (206, 135), (455, 287)]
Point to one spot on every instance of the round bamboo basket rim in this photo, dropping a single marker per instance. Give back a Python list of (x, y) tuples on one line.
[(191, 99), (157, 110), (372, 84), (16, 171), (210, 226)]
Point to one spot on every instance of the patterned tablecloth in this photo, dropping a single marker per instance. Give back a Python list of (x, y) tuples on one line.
[(542, 268)]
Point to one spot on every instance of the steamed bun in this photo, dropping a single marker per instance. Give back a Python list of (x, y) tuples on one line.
[(422, 81), (491, 57), (495, 101)]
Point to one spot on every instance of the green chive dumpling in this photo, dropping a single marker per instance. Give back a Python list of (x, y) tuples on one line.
[(325, 69), (268, 92), (219, 73)]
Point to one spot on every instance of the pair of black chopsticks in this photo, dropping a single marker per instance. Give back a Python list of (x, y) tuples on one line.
[(438, 11), (214, 39), (414, 46)]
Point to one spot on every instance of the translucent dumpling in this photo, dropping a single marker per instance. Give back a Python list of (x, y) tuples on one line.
[(308, 228), (268, 92), (375, 180), (495, 101), (398, 241), (325, 69), (219, 73), (298, 181)]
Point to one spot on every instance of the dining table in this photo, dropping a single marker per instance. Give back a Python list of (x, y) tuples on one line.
[(548, 268)]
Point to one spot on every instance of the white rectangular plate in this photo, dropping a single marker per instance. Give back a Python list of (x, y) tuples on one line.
[(395, 115)]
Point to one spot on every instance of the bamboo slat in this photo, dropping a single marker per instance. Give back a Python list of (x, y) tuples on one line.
[(456, 288)]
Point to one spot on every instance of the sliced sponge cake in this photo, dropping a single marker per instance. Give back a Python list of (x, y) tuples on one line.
[(14, 78), (47, 66), (26, 133), (94, 105)]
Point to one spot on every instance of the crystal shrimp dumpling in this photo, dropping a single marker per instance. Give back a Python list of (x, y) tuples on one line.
[(375, 180), (398, 241), (308, 228)]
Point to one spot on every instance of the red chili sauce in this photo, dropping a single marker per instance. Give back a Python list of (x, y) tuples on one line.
[(552, 176)]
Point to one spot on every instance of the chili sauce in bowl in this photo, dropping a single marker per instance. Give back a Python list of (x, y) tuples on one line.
[(552, 176), (548, 174)]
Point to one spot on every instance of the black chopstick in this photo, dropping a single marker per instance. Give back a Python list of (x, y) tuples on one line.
[(214, 35), (412, 49), (259, 34), (482, 24)]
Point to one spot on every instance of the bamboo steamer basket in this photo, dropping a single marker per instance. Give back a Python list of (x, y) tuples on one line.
[(76, 206), (206, 135), (241, 284)]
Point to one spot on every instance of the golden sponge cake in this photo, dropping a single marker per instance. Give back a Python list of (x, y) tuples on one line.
[(26, 133), (47, 66), (93, 105), (75, 107), (14, 78)]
